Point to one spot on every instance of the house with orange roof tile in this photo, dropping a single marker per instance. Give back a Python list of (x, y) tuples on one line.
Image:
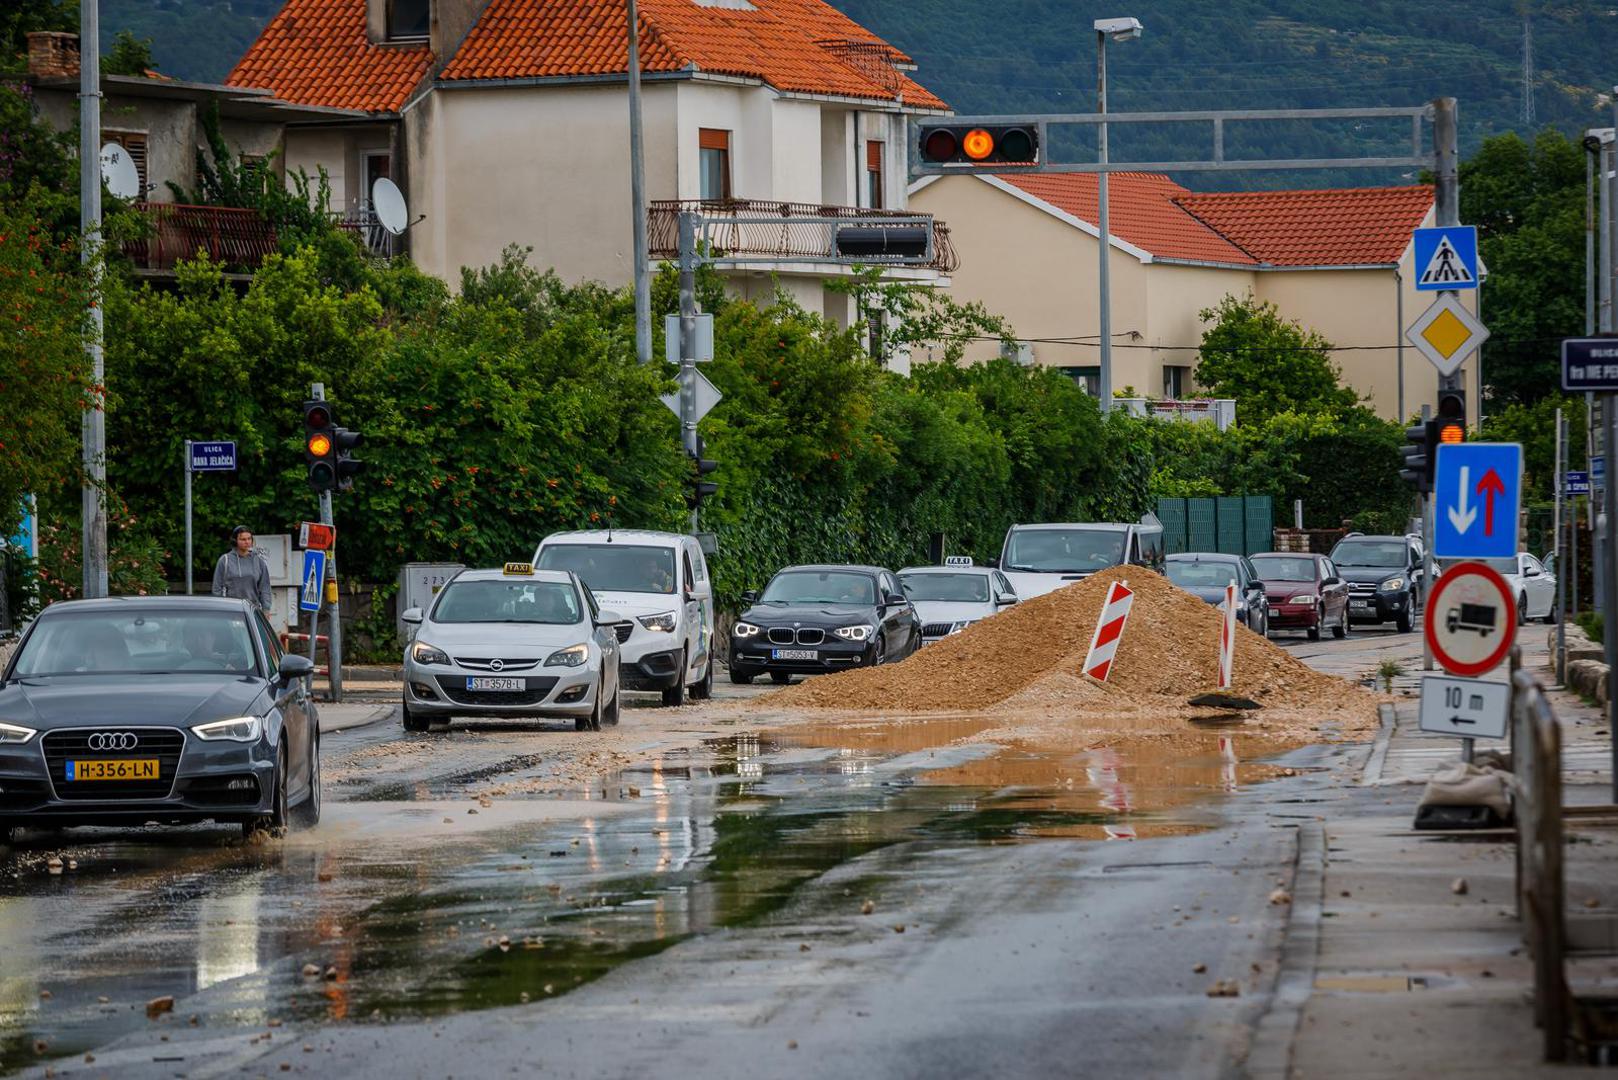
[(506, 122), (1337, 261)]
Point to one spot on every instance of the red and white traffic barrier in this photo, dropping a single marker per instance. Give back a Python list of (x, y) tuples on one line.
[(1227, 639), (1109, 630)]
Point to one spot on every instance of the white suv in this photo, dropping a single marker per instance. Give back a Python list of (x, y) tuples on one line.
[(658, 581)]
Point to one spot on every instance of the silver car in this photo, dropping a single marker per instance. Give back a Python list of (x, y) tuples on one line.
[(514, 642), (952, 597)]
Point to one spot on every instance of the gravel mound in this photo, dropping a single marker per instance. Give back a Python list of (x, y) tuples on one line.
[(1031, 656)]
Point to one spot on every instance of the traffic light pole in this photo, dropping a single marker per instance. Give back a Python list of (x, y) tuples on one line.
[(1426, 554), (334, 644), (688, 339)]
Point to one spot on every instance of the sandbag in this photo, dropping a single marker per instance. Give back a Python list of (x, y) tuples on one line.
[(1469, 784)]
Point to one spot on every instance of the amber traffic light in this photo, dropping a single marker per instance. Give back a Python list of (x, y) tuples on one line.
[(956, 144)]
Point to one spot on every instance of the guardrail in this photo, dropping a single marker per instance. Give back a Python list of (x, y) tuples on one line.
[(1564, 1017)]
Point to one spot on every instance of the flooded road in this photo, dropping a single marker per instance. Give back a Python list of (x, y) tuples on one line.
[(483, 896)]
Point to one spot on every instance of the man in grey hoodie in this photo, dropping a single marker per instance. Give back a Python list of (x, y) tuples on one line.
[(242, 572)]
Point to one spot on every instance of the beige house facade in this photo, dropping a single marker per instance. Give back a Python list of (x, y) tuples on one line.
[(1339, 262)]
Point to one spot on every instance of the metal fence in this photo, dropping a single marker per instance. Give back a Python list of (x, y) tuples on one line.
[(782, 230), (236, 238), (1234, 525)]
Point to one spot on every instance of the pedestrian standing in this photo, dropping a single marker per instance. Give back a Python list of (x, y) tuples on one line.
[(243, 572)]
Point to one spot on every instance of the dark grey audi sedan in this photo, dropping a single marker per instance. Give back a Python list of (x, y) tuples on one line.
[(156, 709)]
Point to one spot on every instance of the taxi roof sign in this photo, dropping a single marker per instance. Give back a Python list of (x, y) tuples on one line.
[(518, 569), (958, 560)]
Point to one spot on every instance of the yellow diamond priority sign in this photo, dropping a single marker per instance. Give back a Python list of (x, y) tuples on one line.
[(1447, 333)]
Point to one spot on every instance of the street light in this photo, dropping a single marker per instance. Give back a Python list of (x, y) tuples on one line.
[(1118, 30)]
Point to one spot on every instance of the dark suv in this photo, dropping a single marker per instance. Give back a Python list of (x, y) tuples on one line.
[(1384, 576)]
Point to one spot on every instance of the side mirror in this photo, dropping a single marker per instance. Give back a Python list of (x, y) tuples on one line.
[(1005, 601), (414, 616), (1332, 581), (1531, 572), (992, 564), (894, 599), (294, 667), (750, 596), (1255, 585), (609, 618)]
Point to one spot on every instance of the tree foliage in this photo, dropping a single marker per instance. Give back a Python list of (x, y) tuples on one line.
[(1269, 364)]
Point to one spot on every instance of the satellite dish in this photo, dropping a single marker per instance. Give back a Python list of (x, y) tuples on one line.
[(119, 172), (389, 203)]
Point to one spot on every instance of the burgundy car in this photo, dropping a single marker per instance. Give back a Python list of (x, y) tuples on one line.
[(1305, 593)]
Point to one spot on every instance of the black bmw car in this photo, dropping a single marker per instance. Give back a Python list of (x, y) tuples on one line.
[(163, 709), (815, 619)]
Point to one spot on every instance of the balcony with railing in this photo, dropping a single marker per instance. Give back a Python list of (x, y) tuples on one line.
[(237, 239), (785, 231)]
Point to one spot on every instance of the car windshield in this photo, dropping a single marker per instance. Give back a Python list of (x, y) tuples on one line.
[(1284, 568), (552, 603), (614, 567), (1064, 551), (820, 587), (964, 588), (137, 642), (1377, 554), (1201, 575)]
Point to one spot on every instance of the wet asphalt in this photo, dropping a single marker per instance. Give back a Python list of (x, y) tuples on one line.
[(728, 902)]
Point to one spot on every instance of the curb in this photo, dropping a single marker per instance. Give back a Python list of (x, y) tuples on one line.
[(1271, 1053), (372, 714), (1372, 773)]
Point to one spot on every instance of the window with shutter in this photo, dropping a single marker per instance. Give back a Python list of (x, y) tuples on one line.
[(134, 144)]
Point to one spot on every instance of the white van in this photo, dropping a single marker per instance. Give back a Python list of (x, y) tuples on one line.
[(659, 582), (1038, 559)]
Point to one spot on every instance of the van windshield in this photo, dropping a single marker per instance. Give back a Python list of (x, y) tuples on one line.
[(614, 567), (1064, 551)]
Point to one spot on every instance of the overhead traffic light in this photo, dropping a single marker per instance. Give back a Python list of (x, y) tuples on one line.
[(320, 445), (700, 488), (1451, 419), (1419, 451), (990, 144)]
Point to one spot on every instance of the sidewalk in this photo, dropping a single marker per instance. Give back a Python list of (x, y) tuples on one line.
[(1403, 957), (341, 717)]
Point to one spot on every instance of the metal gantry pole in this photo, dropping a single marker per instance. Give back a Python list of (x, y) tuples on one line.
[(1609, 416), (637, 186), (688, 338), (1104, 226), (188, 517), (94, 501), (1556, 546)]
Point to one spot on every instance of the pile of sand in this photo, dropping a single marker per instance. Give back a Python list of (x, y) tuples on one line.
[(1030, 657)]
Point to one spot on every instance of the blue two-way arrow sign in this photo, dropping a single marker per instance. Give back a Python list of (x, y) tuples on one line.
[(1477, 500)]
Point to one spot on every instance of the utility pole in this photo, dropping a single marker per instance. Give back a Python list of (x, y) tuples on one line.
[(94, 501), (1104, 225), (1527, 68), (637, 187), (1609, 417), (688, 338)]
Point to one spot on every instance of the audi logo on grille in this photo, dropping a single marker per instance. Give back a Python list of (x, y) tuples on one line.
[(497, 664), (113, 740)]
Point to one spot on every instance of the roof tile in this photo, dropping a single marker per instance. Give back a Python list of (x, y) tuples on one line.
[(1141, 209), (317, 52), (1342, 227)]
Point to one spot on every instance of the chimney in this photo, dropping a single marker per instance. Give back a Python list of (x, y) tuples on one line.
[(53, 55)]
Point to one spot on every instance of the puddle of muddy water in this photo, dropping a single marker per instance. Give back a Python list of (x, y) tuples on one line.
[(729, 837)]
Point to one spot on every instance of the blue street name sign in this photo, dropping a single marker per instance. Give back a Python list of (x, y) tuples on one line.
[(1598, 472), (314, 580), (1590, 364), (1446, 258), (1576, 483), (1477, 500), (213, 457)]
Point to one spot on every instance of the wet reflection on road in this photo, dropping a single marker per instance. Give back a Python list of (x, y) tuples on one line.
[(397, 907)]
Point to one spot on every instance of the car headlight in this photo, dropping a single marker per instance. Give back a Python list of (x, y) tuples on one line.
[(853, 633), (663, 622), (1393, 584), (957, 627), (745, 629), (1306, 598), (424, 653), (15, 735), (240, 729), (572, 656)]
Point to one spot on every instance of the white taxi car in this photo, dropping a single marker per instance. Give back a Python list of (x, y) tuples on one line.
[(951, 597), (514, 642)]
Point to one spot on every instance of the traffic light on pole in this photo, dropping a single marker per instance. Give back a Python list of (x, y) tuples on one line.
[(990, 144), (1417, 470), (700, 488), (1451, 420), (320, 445), (348, 466)]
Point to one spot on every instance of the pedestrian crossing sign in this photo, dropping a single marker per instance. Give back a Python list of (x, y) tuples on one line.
[(1446, 258)]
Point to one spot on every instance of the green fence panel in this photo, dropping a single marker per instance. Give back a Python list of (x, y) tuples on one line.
[(1229, 512), (1235, 525), (1172, 513), (1260, 515), (1202, 531)]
